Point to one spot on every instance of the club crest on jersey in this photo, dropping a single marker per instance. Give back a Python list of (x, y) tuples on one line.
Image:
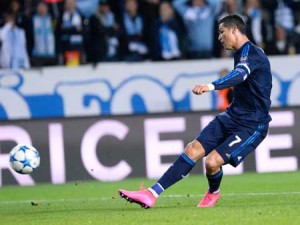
[(243, 59)]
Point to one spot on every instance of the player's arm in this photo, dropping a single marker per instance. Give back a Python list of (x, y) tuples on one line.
[(236, 76)]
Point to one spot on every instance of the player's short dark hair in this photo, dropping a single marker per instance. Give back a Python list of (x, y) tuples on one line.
[(234, 21)]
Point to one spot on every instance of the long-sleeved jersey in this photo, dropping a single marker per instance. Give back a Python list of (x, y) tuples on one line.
[(252, 82)]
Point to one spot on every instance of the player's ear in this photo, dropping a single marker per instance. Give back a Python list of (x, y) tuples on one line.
[(234, 30)]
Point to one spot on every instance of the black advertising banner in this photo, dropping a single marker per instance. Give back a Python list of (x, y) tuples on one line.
[(118, 147)]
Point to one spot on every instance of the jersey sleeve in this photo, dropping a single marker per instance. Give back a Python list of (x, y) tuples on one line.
[(242, 70)]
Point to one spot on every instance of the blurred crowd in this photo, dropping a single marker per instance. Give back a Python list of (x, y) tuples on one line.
[(35, 33)]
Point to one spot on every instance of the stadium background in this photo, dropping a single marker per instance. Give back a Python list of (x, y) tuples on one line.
[(114, 120), (92, 119), (101, 126)]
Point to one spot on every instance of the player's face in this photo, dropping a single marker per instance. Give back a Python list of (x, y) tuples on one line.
[(226, 37)]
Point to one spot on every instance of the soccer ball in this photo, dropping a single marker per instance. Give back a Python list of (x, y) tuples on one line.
[(24, 159)]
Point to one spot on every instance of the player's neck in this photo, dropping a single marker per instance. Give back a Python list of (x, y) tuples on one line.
[(240, 41)]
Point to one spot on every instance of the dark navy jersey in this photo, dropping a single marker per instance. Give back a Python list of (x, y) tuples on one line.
[(252, 82)]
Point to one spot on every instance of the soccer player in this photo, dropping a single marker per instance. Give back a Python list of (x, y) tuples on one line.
[(233, 134)]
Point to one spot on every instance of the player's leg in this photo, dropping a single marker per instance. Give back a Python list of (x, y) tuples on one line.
[(211, 136), (214, 174), (177, 171), (207, 140), (233, 150), (180, 168)]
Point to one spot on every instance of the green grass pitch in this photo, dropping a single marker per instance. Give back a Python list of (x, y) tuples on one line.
[(250, 198)]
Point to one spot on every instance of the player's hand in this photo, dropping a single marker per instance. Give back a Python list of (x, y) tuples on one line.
[(200, 88)]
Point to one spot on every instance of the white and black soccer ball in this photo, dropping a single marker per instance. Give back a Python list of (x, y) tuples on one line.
[(24, 158)]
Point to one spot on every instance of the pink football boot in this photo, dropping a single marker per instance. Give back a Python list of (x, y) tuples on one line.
[(144, 197), (209, 200)]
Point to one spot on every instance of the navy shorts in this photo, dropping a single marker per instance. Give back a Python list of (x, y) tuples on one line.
[(231, 140)]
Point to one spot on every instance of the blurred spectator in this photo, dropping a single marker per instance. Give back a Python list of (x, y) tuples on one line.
[(70, 34), (134, 47), (117, 6), (257, 25), (283, 16), (15, 8), (228, 7), (297, 29), (23, 20), (13, 53), (167, 46), (43, 53), (3, 8), (280, 45), (104, 34), (87, 8), (147, 28), (149, 10), (225, 96), (56, 7), (198, 18)]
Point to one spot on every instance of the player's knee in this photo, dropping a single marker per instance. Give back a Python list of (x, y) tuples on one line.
[(211, 165), (194, 150)]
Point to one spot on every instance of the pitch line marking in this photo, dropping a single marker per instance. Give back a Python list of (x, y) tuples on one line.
[(237, 194), (163, 196)]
